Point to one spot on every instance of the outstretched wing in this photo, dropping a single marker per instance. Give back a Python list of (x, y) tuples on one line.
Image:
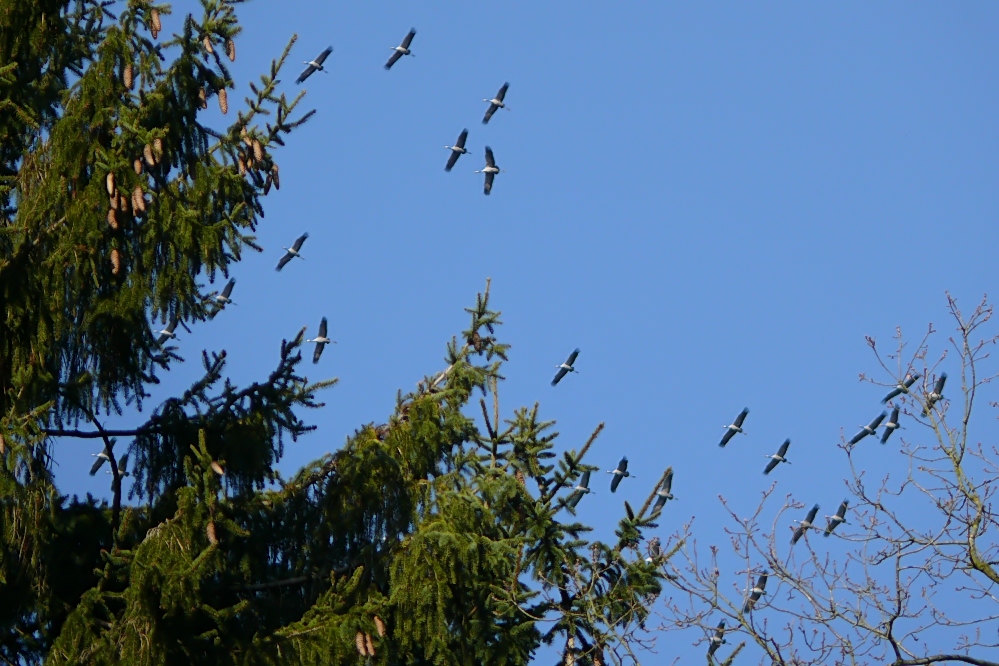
[(489, 114), (771, 465), (488, 187), (615, 482), (559, 375), (502, 92), (490, 160), (408, 39), (299, 241), (859, 436), (797, 535), (584, 481), (322, 328), (660, 503), (741, 417), (306, 73), (782, 451), (574, 499), (228, 288), (461, 139), (572, 357), (321, 58), (283, 261), (877, 421), (318, 352), (729, 434), (623, 465), (393, 59), (810, 518), (668, 481), (939, 386), (101, 457), (452, 160)]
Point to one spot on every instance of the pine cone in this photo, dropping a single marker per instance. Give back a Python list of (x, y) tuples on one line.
[(258, 151), (112, 219), (157, 25), (138, 199), (122, 203), (113, 202), (109, 183), (157, 149), (202, 98), (207, 41), (267, 185), (230, 50), (137, 166), (213, 537), (359, 642), (115, 261), (147, 153), (369, 644), (217, 468), (129, 76), (276, 176), (380, 626), (242, 165), (224, 101), (3, 446)]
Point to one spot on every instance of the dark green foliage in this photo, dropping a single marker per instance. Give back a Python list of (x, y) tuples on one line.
[(429, 539)]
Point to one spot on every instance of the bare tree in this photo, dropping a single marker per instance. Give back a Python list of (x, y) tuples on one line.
[(918, 581)]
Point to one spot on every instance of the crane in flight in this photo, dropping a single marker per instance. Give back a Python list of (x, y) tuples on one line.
[(779, 457), (869, 429), (490, 170), (805, 525), (566, 368), (292, 252), (457, 150), (402, 49), (619, 473), (836, 519), (734, 427), (315, 65), (321, 341), (495, 103)]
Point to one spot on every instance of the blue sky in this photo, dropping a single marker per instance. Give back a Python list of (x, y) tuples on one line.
[(715, 202)]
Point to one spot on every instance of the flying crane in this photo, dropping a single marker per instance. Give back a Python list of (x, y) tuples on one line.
[(315, 65), (401, 50), (565, 368), (495, 103), (734, 427), (457, 150)]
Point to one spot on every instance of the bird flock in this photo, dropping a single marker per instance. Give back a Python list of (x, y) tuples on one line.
[(888, 423)]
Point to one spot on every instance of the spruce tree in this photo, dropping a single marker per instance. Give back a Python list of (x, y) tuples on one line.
[(442, 536)]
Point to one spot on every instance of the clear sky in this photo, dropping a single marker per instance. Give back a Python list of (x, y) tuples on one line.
[(715, 202)]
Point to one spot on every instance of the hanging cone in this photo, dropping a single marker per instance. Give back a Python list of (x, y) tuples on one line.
[(154, 18), (122, 202), (244, 135), (258, 151), (113, 201), (112, 219), (213, 537), (230, 50), (276, 177), (147, 153), (217, 468), (115, 261), (137, 166), (207, 41), (109, 183), (242, 165), (359, 642), (369, 645), (138, 199), (157, 149), (224, 101), (267, 185), (380, 626), (129, 76), (202, 98), (3, 446)]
